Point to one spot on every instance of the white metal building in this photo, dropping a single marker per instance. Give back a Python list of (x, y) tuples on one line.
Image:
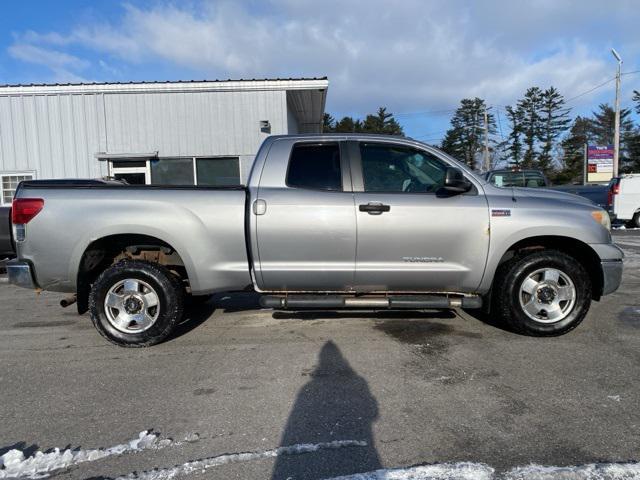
[(203, 133)]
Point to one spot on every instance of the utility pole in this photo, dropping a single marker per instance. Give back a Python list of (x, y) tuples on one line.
[(616, 135), (486, 164)]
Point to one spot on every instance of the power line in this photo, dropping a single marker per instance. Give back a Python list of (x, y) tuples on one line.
[(590, 90)]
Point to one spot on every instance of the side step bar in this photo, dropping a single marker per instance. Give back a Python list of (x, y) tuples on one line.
[(410, 302)]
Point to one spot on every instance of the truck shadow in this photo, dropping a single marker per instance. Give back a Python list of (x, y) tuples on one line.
[(335, 404)]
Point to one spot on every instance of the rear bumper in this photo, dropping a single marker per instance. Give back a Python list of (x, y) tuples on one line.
[(20, 273)]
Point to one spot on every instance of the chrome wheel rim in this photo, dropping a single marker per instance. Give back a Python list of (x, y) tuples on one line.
[(547, 295), (132, 306)]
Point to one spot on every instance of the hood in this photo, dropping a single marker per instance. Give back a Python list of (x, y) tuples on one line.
[(550, 194)]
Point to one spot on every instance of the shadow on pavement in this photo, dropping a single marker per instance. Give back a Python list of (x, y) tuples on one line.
[(335, 404)]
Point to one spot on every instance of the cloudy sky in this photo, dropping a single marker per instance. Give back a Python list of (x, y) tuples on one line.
[(419, 58)]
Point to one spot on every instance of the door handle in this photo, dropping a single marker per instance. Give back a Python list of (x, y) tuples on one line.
[(374, 208)]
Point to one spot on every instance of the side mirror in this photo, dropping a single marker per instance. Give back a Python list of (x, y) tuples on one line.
[(455, 182)]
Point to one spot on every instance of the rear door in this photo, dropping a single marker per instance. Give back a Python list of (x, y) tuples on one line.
[(305, 218), (411, 237)]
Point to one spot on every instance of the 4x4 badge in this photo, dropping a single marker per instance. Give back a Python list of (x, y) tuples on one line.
[(500, 213)]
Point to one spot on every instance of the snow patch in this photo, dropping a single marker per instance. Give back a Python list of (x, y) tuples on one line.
[(592, 471), (199, 466), (13, 464), (444, 471)]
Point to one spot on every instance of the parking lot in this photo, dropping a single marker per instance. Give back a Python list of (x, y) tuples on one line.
[(389, 389)]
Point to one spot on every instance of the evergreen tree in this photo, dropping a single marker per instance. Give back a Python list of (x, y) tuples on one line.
[(464, 140), (531, 107), (636, 98), (513, 144), (347, 125), (328, 123), (603, 127), (381, 122), (573, 146), (554, 122)]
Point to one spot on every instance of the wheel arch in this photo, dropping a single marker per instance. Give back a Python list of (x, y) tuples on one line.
[(573, 247), (107, 250)]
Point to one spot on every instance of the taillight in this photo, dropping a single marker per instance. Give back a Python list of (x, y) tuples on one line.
[(24, 209)]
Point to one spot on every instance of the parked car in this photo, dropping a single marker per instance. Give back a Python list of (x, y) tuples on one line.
[(517, 177), (624, 198), (326, 222), (597, 193)]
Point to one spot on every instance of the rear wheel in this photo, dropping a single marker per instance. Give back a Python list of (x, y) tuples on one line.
[(542, 294), (635, 221), (136, 303)]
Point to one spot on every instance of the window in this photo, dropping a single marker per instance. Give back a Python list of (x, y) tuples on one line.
[(218, 171), (315, 166), (9, 183), (395, 168), (172, 171), (214, 171), (534, 179), (518, 179)]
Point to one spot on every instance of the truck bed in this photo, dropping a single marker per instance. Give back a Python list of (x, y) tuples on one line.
[(204, 225)]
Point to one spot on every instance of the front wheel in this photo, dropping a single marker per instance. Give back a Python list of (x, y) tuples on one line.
[(544, 293), (136, 303)]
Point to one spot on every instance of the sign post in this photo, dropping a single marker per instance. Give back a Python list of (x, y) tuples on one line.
[(599, 163)]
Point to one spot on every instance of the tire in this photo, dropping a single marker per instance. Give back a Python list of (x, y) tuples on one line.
[(634, 222), (136, 303), (560, 293)]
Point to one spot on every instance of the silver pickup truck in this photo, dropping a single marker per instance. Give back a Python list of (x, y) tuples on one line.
[(325, 222)]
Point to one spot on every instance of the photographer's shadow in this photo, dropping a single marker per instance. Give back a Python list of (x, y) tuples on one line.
[(335, 404)]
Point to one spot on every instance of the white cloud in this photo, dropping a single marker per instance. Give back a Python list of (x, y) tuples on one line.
[(409, 55), (63, 65)]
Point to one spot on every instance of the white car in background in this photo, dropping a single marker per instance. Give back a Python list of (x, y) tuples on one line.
[(624, 199)]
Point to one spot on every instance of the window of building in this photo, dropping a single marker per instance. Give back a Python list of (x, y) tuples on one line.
[(315, 166), (218, 171), (9, 183), (172, 171), (209, 171), (396, 168)]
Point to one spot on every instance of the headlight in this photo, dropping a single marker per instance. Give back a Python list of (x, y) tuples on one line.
[(602, 218)]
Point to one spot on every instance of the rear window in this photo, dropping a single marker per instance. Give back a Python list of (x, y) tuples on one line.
[(518, 179), (315, 166)]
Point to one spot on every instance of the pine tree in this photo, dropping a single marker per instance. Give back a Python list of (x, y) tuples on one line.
[(328, 123), (465, 138), (513, 144), (531, 107), (382, 122), (603, 127), (554, 122), (636, 98), (573, 145)]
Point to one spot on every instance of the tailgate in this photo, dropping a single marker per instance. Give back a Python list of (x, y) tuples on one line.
[(6, 243)]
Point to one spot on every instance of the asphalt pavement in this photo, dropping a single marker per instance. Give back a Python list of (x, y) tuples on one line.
[(389, 389)]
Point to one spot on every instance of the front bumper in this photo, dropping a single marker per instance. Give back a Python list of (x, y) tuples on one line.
[(611, 275), (20, 273), (611, 263)]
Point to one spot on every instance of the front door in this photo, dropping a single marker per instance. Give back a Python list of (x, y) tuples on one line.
[(306, 225), (411, 238)]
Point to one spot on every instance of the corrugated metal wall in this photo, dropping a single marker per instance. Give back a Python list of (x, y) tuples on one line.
[(58, 135)]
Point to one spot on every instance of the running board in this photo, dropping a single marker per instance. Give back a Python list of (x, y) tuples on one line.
[(407, 302)]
